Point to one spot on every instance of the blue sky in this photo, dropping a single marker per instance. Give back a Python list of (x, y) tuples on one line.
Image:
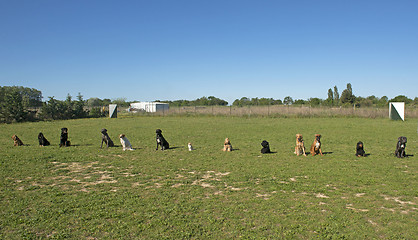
[(170, 50)]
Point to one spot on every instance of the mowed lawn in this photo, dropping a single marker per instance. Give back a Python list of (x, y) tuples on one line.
[(84, 192)]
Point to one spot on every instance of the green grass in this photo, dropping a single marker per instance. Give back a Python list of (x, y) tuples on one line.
[(84, 192)]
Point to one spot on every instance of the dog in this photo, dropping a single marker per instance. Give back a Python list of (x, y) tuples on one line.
[(42, 140), (316, 145), (189, 145), (64, 138), (106, 139), (227, 145), (360, 150), (300, 145), (125, 143), (400, 147), (161, 140), (266, 147), (17, 141)]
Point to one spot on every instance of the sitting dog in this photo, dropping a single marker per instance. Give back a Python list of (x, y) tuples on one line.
[(266, 147), (316, 145), (300, 145), (400, 147), (106, 139), (17, 141), (64, 138), (161, 140), (42, 140), (227, 145), (360, 150), (125, 143), (189, 145)]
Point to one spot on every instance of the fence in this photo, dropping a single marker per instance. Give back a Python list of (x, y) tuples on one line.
[(281, 111)]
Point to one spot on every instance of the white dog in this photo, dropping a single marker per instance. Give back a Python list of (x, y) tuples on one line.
[(125, 143), (190, 146)]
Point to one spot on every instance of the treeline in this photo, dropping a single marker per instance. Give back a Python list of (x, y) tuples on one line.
[(19, 104), (334, 99), (15, 103), (203, 101)]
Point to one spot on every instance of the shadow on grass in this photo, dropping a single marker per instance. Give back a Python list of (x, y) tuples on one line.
[(365, 155), (323, 153), (175, 147)]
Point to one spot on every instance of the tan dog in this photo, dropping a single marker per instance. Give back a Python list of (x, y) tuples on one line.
[(227, 145), (316, 145), (300, 145), (17, 141)]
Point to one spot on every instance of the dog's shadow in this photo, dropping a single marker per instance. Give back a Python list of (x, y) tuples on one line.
[(271, 152), (409, 155), (169, 148), (323, 153), (365, 155), (174, 147)]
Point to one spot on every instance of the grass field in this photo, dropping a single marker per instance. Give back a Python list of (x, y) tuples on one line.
[(84, 192)]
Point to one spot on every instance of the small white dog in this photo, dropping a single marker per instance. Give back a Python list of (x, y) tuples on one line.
[(190, 146), (125, 143)]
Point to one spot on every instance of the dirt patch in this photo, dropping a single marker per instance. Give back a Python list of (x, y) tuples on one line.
[(320, 195), (396, 199)]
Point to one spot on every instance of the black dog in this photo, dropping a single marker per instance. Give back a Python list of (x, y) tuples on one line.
[(266, 147), (400, 147), (161, 140), (106, 139), (42, 140), (64, 138), (360, 150)]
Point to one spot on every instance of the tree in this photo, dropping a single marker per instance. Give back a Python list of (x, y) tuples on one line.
[(216, 101), (347, 96), (330, 99), (401, 98), (53, 109), (12, 108), (363, 102), (244, 101), (383, 101), (336, 96), (315, 102), (288, 100), (68, 109), (78, 107), (121, 102), (299, 102), (94, 102)]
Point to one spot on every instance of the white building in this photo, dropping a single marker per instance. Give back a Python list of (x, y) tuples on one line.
[(149, 106)]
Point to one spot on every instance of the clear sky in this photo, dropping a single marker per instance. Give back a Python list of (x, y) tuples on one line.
[(186, 49)]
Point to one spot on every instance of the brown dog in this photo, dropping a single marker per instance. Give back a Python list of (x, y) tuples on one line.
[(17, 141), (316, 146), (300, 145), (227, 145)]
